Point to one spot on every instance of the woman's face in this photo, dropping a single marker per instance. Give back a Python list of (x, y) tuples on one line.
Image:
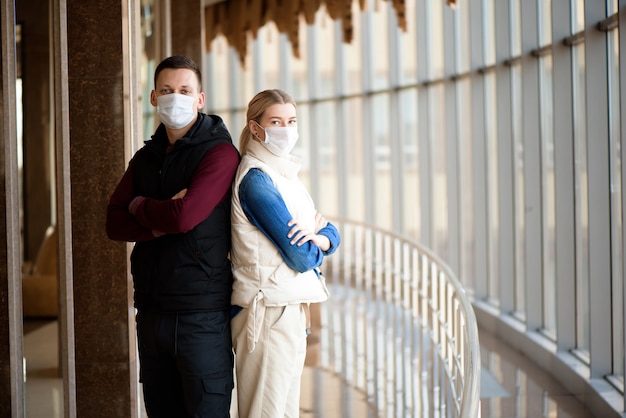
[(275, 115)]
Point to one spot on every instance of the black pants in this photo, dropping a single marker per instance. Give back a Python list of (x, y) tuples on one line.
[(186, 364)]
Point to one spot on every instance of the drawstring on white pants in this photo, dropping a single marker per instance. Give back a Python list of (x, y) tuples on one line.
[(307, 314)]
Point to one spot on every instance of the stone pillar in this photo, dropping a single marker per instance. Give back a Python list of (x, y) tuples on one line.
[(102, 311), (11, 352), (187, 20)]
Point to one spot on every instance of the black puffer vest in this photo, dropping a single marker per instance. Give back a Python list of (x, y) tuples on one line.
[(187, 272)]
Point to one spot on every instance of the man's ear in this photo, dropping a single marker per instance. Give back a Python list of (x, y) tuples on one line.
[(153, 99), (201, 98)]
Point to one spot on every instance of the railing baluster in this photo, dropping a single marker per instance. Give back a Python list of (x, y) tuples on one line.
[(399, 328)]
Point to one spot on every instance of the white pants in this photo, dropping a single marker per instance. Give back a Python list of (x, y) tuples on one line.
[(268, 379)]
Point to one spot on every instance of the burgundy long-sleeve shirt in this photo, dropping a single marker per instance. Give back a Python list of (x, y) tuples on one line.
[(210, 185)]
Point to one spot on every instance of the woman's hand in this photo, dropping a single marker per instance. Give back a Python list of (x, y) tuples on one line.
[(320, 222), (299, 236)]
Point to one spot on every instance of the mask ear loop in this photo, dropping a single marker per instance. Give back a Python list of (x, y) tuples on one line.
[(256, 133)]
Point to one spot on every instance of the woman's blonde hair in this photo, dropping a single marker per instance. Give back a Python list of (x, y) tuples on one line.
[(257, 106)]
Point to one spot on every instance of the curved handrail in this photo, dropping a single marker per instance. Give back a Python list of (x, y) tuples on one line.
[(402, 272)]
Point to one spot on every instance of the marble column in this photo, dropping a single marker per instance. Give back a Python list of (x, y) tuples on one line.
[(187, 20), (102, 310), (11, 352)]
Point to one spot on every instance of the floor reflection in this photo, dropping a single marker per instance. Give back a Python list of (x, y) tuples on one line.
[(336, 383)]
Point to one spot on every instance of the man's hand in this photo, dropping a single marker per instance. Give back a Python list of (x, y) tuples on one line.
[(180, 194)]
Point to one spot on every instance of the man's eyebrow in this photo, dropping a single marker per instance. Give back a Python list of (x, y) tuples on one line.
[(186, 86)]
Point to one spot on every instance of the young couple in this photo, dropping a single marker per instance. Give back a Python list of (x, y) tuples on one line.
[(226, 254)]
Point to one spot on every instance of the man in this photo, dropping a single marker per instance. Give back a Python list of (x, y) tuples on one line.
[(174, 203)]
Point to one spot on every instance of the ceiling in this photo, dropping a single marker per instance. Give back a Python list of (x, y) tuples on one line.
[(237, 20)]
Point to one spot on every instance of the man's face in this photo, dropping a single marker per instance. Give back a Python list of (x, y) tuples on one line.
[(181, 81)]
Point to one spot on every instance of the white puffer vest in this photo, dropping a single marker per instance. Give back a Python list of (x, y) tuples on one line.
[(261, 277)]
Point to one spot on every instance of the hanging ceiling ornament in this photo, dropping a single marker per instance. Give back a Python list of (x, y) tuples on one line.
[(238, 19)]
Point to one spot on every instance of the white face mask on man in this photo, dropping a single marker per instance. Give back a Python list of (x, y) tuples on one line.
[(175, 110), (280, 140)]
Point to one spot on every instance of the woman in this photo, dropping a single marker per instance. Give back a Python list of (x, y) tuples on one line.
[(278, 242)]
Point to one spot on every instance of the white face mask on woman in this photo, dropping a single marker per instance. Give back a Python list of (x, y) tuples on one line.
[(280, 140), (175, 110)]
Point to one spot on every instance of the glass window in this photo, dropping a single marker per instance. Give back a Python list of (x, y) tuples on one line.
[(518, 192), (578, 15), (352, 56), (407, 47), (462, 41), (268, 57), (516, 28), (299, 66), (546, 117), (439, 175), (411, 192), (491, 133), (355, 169), (436, 57), (379, 45), (324, 152), (217, 76), (489, 32), (581, 199), (466, 189), (549, 196), (617, 268), (326, 36), (382, 161), (308, 142)]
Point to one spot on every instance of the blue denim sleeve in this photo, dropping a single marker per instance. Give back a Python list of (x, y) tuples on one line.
[(266, 209), (330, 232)]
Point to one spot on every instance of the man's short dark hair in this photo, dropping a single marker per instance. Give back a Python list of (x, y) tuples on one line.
[(178, 62)]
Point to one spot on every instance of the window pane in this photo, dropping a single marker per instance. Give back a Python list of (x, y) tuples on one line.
[(437, 133), (581, 200), (519, 195), (379, 46), (578, 15), (466, 172), (298, 73), (408, 48), (411, 193), (351, 53), (462, 41), (355, 183), (325, 41), (435, 42), (549, 196), (382, 161), (267, 57), (617, 270), (325, 146), (516, 28), (489, 32), (492, 187)]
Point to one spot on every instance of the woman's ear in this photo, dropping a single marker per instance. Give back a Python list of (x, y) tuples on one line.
[(255, 130)]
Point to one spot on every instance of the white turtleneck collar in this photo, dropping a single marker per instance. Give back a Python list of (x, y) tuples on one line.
[(287, 166)]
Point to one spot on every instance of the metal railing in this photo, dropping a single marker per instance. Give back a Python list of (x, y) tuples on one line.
[(399, 327)]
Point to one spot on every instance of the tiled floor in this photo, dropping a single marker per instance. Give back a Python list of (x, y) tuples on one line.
[(511, 386)]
